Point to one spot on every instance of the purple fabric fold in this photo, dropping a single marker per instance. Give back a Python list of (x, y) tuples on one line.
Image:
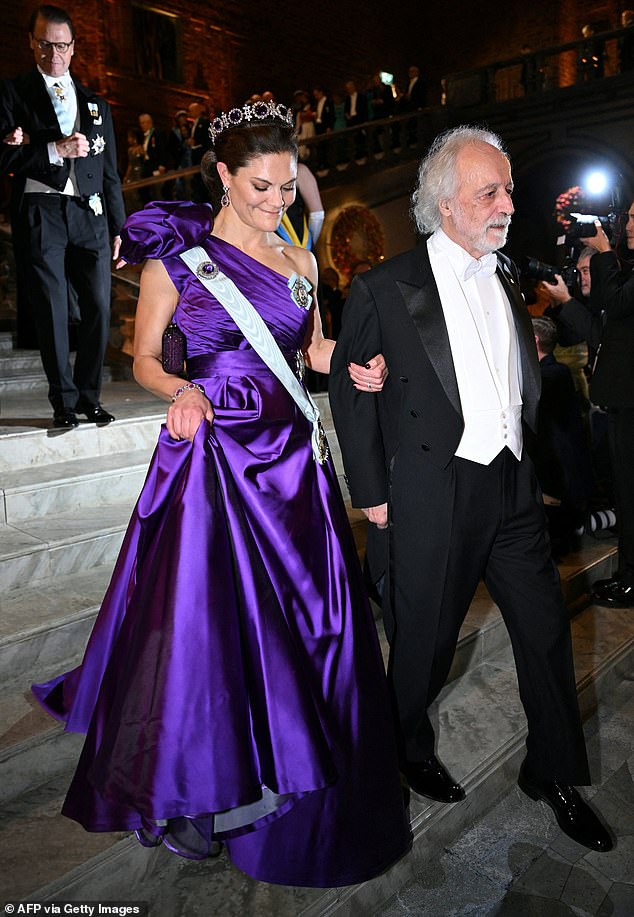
[(164, 228)]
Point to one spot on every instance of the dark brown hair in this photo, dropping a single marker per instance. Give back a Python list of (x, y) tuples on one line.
[(51, 14), (237, 146)]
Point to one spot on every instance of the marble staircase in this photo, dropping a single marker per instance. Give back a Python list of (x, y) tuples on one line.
[(21, 370), (65, 499)]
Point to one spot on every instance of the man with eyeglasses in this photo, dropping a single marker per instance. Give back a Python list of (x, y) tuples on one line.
[(59, 146)]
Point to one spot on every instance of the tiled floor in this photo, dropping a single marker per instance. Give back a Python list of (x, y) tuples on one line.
[(515, 862)]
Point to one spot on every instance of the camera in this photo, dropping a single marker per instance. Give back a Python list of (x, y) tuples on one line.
[(613, 223), (584, 226), (538, 270)]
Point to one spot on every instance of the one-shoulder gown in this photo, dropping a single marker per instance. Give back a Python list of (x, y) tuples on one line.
[(233, 687)]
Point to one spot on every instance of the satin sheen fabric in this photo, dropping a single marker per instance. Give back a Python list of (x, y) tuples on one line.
[(233, 685)]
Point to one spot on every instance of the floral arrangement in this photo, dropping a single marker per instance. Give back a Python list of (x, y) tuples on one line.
[(572, 200), (356, 236)]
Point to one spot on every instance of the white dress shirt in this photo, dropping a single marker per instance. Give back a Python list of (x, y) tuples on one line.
[(484, 349)]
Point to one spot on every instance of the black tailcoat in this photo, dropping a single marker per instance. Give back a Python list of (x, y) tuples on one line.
[(25, 103), (67, 243), (446, 531)]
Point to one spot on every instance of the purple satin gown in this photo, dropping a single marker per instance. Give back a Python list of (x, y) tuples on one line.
[(233, 687)]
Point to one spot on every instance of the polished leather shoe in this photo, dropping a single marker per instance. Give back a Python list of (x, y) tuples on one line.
[(429, 778), (64, 420), (601, 585), (616, 593), (94, 412), (574, 815)]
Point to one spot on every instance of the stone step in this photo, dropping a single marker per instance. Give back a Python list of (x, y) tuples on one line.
[(13, 363), (38, 550), (481, 740), (22, 381), (43, 629), (34, 819), (38, 448), (68, 486), (17, 380)]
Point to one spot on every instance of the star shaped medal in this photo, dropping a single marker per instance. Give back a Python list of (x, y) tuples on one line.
[(98, 145)]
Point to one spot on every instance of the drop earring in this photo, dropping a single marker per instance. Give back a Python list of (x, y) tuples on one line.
[(224, 200)]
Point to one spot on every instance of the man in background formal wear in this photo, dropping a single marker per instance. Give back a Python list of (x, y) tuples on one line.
[(437, 463), (63, 161), (199, 142)]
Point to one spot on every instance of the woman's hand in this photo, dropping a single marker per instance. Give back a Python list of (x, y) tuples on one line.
[(369, 378), (377, 515), (186, 414)]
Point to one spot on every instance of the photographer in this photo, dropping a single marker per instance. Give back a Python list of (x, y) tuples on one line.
[(612, 385), (577, 319), (559, 450)]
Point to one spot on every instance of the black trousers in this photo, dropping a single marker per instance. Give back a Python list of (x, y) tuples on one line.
[(69, 248), (480, 522), (621, 441)]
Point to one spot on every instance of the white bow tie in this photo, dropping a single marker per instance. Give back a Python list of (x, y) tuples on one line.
[(485, 266)]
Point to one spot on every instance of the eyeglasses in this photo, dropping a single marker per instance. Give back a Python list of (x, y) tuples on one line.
[(46, 46)]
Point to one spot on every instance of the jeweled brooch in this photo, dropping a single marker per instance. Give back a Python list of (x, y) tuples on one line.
[(93, 108), (207, 270), (98, 145), (300, 291), (323, 450)]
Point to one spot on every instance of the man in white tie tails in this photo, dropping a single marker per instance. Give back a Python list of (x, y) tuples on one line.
[(60, 149), (436, 461)]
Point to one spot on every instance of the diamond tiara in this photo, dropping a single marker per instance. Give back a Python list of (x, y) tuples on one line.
[(259, 111)]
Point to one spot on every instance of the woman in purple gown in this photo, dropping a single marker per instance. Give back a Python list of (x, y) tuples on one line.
[(233, 688)]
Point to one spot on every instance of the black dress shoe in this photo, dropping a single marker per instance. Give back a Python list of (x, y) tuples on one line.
[(617, 593), (601, 585), (64, 420), (94, 412), (429, 778), (574, 815)]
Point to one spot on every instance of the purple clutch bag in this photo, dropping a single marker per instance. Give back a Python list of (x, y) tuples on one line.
[(174, 349)]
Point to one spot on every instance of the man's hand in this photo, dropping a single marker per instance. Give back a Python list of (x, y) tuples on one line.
[(377, 515), (557, 291), (116, 245), (16, 137), (75, 146), (600, 242)]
